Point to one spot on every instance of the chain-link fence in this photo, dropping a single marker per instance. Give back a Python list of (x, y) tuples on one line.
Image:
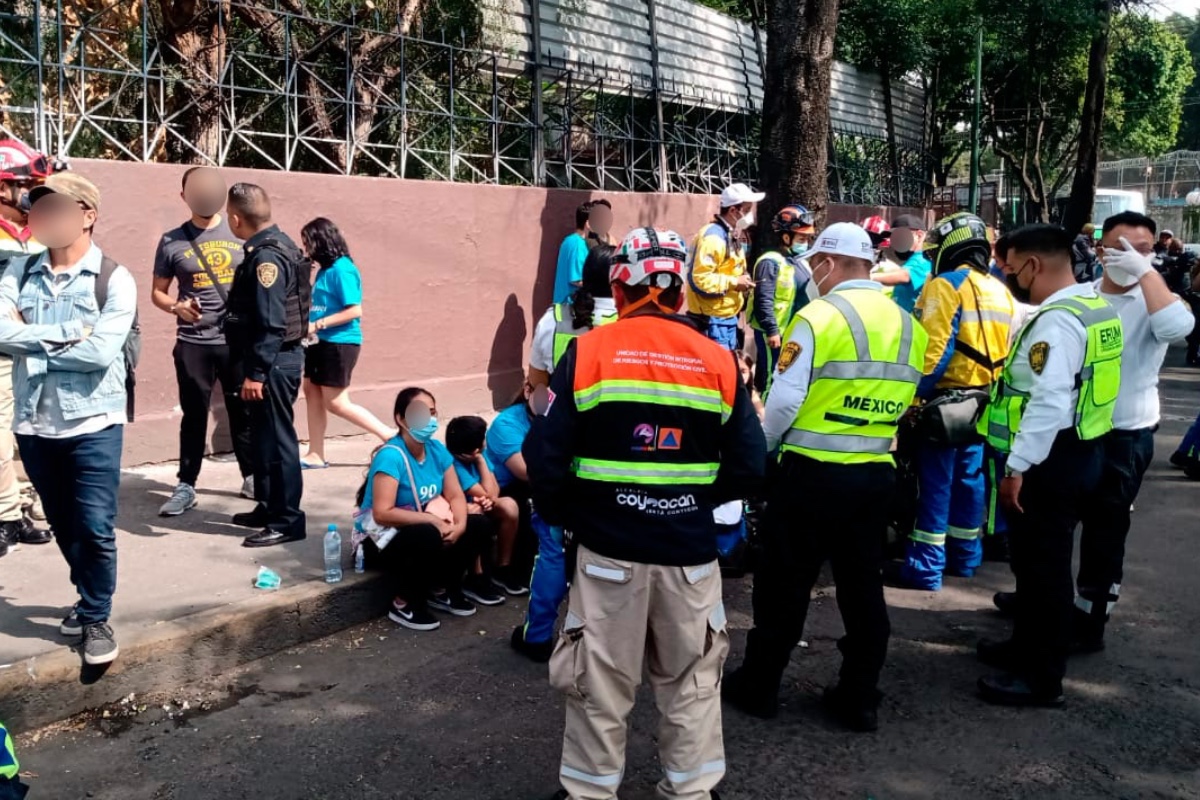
[(1165, 180)]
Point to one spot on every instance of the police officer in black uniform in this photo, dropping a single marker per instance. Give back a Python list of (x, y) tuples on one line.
[(267, 321)]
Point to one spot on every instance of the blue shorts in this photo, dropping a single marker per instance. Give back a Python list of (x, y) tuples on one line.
[(723, 331)]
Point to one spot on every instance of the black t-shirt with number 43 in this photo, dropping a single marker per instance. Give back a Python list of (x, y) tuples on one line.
[(177, 258)]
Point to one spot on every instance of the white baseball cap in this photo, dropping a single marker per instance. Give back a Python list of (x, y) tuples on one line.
[(843, 239), (737, 193)]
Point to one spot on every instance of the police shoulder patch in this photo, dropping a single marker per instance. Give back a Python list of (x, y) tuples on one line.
[(268, 273), (788, 355), (1038, 355)]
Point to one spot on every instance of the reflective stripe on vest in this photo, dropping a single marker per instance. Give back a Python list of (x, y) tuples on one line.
[(1098, 382), (565, 330), (863, 379), (9, 767), (645, 473), (665, 394), (785, 292)]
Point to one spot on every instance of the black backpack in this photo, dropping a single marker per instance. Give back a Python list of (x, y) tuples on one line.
[(132, 350)]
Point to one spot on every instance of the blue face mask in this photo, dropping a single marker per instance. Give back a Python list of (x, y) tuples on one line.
[(425, 432), (799, 248)]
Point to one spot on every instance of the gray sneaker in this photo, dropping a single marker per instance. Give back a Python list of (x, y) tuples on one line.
[(248, 487), (183, 498), (99, 646), (71, 626)]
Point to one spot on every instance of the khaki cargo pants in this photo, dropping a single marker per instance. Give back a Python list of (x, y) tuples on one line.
[(10, 492), (623, 618)]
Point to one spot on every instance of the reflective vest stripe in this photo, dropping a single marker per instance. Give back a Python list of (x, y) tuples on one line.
[(875, 370), (986, 315), (661, 393), (838, 442), (642, 472), (1092, 415), (862, 344), (565, 330)]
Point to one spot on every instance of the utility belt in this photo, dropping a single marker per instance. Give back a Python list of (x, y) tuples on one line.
[(952, 417)]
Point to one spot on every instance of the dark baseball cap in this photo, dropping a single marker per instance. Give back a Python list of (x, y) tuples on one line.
[(910, 221)]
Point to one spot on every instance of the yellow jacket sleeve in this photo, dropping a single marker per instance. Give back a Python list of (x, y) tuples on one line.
[(707, 280), (937, 308)]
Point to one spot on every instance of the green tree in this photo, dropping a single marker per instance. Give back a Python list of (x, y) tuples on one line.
[(1151, 71), (1189, 127)]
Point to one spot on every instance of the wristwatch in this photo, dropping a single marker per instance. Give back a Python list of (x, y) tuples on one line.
[(1009, 472)]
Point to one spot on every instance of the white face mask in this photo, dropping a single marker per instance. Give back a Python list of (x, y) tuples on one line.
[(825, 277), (746, 221)]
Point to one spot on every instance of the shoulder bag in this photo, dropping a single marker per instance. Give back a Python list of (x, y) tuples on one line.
[(950, 419)]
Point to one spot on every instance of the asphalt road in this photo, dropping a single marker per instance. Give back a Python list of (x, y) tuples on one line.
[(378, 712)]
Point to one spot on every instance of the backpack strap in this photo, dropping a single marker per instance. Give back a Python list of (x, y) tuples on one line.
[(107, 267)]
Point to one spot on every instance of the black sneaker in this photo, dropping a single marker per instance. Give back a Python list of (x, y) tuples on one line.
[(452, 603), (415, 618), (31, 535), (1180, 460), (99, 646), (71, 626), (1006, 603), (506, 580), (479, 589)]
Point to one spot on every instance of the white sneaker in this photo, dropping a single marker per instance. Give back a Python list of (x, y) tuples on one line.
[(182, 499), (248, 487)]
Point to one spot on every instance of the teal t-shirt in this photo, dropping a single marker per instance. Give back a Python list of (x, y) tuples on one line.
[(468, 474), (906, 294), (504, 440), (571, 255), (429, 474), (337, 286)]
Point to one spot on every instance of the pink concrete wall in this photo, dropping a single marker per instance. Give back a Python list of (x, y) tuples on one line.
[(454, 277)]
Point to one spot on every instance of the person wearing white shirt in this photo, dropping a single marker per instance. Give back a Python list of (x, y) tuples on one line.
[(1054, 461), (847, 372), (1152, 317)]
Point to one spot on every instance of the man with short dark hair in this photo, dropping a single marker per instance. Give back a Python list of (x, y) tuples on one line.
[(201, 255), (1151, 318), (65, 317), (907, 245), (1049, 409), (599, 224), (568, 273), (267, 321)]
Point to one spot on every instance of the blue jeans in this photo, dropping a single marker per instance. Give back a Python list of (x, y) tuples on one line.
[(78, 479), (548, 586)]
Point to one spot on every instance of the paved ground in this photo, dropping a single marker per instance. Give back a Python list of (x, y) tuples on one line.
[(377, 712), (168, 568)]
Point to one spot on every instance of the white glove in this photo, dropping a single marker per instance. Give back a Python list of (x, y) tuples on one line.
[(1126, 267)]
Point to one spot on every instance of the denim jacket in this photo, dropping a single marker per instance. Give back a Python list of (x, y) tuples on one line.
[(52, 357)]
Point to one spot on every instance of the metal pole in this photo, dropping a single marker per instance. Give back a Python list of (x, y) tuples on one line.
[(664, 184), (973, 197)]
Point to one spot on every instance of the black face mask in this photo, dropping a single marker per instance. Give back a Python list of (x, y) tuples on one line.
[(1022, 295), (904, 255)]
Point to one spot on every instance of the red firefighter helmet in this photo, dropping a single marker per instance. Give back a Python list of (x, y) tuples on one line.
[(20, 163)]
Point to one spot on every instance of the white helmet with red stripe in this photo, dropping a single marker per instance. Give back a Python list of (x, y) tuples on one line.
[(646, 253)]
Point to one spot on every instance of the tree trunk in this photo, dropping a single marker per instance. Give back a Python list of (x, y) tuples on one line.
[(194, 41), (794, 152), (1083, 187)]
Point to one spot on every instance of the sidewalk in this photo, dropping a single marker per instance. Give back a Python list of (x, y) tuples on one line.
[(185, 604)]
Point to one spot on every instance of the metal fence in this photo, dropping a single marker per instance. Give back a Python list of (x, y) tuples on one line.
[(329, 86), (1164, 180)]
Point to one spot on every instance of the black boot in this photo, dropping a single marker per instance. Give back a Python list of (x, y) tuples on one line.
[(1009, 690), (1001, 654), (750, 693), (851, 710), (1006, 603)]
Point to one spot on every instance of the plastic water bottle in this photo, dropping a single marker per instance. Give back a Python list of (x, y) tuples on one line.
[(358, 559), (333, 555)]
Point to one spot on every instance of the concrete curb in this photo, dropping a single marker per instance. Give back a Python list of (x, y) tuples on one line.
[(47, 688)]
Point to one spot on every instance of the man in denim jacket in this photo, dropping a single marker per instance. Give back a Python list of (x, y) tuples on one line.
[(69, 387)]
